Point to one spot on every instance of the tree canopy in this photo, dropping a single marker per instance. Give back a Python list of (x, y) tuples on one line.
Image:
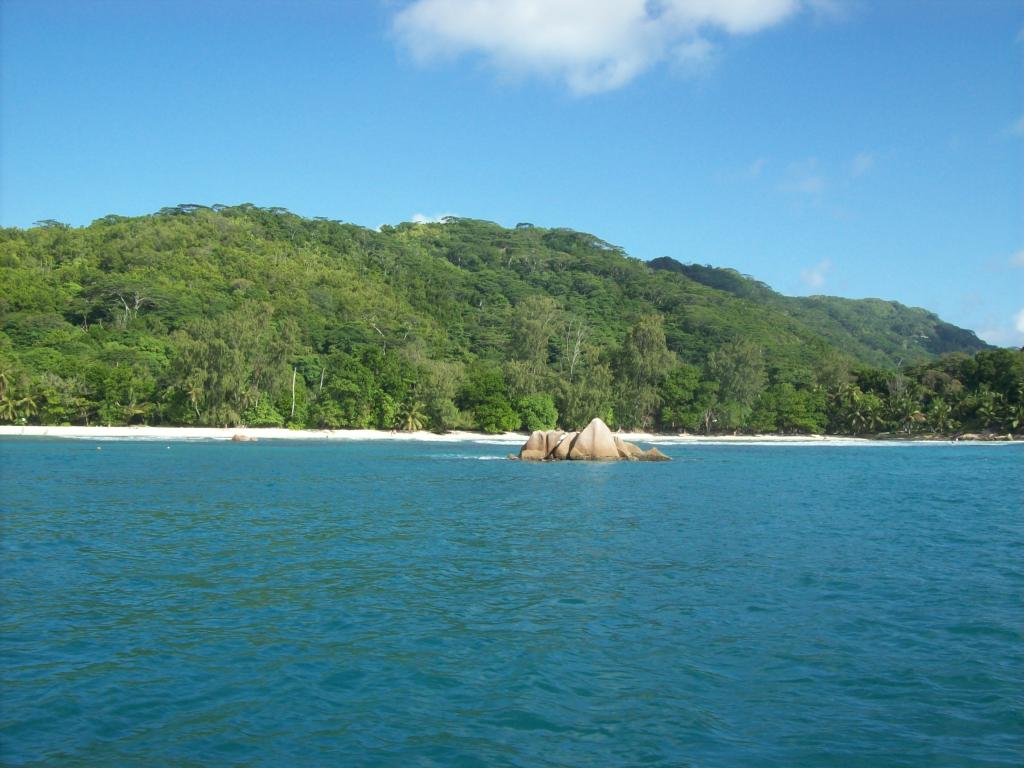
[(243, 315)]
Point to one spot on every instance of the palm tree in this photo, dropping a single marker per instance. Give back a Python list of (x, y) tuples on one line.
[(133, 408), (195, 396), (1016, 416), (27, 406), (411, 417), (8, 406), (989, 408), (940, 415)]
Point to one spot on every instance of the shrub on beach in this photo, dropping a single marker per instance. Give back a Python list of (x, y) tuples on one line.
[(538, 412), (262, 415)]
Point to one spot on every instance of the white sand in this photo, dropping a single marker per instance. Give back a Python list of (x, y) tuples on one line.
[(508, 438), (262, 433)]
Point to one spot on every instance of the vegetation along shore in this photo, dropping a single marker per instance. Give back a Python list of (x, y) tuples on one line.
[(240, 316)]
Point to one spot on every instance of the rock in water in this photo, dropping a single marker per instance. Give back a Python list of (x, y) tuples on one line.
[(627, 450), (652, 454), (551, 441), (535, 448), (561, 451), (596, 442)]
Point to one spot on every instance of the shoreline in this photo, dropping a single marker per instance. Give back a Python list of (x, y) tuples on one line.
[(250, 434)]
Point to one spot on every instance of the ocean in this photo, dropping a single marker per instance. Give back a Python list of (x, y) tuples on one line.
[(386, 603)]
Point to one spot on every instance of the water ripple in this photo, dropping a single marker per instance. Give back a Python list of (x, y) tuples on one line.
[(397, 604)]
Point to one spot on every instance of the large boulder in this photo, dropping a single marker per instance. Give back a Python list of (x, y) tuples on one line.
[(595, 442), (561, 451), (551, 441), (627, 450), (535, 448)]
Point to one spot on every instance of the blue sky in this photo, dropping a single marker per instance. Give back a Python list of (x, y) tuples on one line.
[(848, 147)]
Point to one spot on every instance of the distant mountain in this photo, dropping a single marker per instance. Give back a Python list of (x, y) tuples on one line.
[(882, 333)]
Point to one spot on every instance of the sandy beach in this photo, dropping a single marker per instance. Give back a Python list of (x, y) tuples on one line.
[(507, 438), (259, 433)]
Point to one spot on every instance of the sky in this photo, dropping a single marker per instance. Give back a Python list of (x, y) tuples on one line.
[(860, 148)]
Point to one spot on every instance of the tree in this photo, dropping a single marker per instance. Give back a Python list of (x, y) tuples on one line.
[(133, 408), (486, 395), (495, 416), (533, 323), (940, 416), (988, 408), (263, 414), (6, 376), (833, 371), (572, 341), (855, 412), (8, 406), (738, 368), (679, 407), (642, 364), (586, 397), (903, 405), (784, 408), (538, 412), (234, 361), (411, 416)]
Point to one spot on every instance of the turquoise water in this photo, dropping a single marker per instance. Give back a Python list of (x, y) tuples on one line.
[(289, 603)]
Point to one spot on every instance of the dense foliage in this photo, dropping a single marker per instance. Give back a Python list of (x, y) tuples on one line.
[(241, 315), (882, 333)]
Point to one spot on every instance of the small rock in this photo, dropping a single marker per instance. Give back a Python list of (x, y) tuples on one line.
[(653, 454)]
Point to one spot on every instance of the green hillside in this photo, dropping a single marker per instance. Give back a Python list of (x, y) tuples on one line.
[(199, 315), (884, 333)]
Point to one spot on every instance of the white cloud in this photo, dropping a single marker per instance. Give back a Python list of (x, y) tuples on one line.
[(1001, 336), (591, 45), (422, 218), (861, 164), (832, 10), (815, 277), (808, 185), (745, 174), (1017, 260), (1002, 330), (805, 178), (1017, 129), (691, 57)]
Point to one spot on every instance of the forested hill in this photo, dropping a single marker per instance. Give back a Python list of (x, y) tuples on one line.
[(229, 315), (875, 331)]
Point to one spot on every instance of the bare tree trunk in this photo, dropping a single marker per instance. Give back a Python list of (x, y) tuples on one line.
[(127, 311), (294, 370), (378, 330), (321, 387), (575, 334)]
